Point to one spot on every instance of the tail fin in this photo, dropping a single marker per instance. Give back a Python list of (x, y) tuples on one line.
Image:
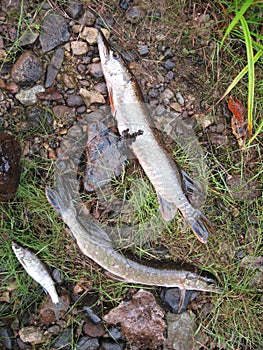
[(202, 227)]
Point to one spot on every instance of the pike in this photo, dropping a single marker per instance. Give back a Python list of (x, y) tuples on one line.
[(171, 184), (37, 270)]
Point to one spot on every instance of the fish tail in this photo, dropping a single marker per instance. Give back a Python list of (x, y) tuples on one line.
[(202, 228), (62, 305)]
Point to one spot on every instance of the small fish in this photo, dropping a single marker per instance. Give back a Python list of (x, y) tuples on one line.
[(172, 186), (37, 270)]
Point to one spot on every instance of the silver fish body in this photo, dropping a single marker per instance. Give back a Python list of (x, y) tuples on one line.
[(36, 269), (131, 113)]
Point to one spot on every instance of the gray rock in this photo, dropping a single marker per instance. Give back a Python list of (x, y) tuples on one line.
[(54, 32), (28, 96), (171, 296), (167, 93), (111, 345), (181, 331), (179, 98), (74, 9), (54, 66), (27, 69), (169, 64), (91, 315), (28, 38), (160, 110), (87, 19), (74, 101), (143, 50), (7, 337), (95, 70), (87, 343), (124, 4), (63, 340)]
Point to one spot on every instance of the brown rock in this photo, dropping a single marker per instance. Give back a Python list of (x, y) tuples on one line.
[(12, 87), (10, 167), (33, 335), (27, 69), (93, 330), (79, 47), (91, 97), (141, 319)]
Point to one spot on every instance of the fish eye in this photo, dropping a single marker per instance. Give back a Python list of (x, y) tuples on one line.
[(116, 55)]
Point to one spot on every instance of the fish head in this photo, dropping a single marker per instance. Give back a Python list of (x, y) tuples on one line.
[(115, 70), (18, 250)]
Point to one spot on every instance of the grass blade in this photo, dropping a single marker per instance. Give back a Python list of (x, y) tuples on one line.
[(236, 19), (251, 74)]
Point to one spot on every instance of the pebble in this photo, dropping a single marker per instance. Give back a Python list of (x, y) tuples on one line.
[(54, 66), (87, 19), (93, 330), (28, 97), (95, 70), (31, 334), (28, 38), (27, 69), (91, 96), (54, 32), (81, 109), (70, 80), (179, 98), (176, 107), (90, 34), (79, 47), (135, 14), (10, 167), (38, 117), (92, 316), (115, 334), (101, 87), (111, 345), (74, 101), (169, 76), (160, 110), (63, 112), (64, 339), (74, 9), (87, 343), (12, 87), (167, 93), (143, 50), (124, 4), (169, 64), (153, 92)]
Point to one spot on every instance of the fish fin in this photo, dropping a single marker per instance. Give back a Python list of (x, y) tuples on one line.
[(111, 100), (190, 186), (202, 227), (167, 209), (62, 305), (181, 300), (54, 199)]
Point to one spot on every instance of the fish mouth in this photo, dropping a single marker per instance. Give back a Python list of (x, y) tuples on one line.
[(104, 47)]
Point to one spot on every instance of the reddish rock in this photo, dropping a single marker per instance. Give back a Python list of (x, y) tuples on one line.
[(12, 87), (93, 330), (27, 69), (10, 167)]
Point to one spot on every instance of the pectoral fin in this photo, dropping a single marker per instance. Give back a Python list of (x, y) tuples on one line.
[(167, 209)]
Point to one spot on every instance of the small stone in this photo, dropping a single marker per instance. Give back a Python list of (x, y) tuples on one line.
[(54, 32), (54, 329), (12, 87), (3, 55), (70, 80), (63, 112), (7, 337), (92, 316), (167, 93), (95, 70), (101, 87), (79, 48), (168, 53), (53, 67), (81, 109), (63, 340), (179, 98), (143, 50), (33, 335), (171, 296), (153, 93), (50, 94), (74, 9), (28, 38), (176, 107), (169, 64), (74, 101), (28, 97), (87, 19), (87, 343), (160, 110), (27, 69), (169, 76), (124, 4), (90, 34), (135, 14), (91, 96), (111, 345), (93, 330)]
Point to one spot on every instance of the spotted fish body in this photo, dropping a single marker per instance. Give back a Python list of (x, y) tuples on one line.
[(131, 113)]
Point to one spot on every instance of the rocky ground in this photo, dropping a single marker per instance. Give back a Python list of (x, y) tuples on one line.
[(50, 79)]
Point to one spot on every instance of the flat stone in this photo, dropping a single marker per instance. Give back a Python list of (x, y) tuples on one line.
[(87, 343), (167, 94), (54, 66), (179, 98), (93, 330), (74, 9), (108, 344), (90, 34), (70, 80), (176, 106), (95, 70), (143, 50), (74, 101), (54, 32), (63, 112), (91, 96), (33, 335), (28, 97), (27, 69), (79, 47), (171, 296), (169, 64), (28, 38)]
